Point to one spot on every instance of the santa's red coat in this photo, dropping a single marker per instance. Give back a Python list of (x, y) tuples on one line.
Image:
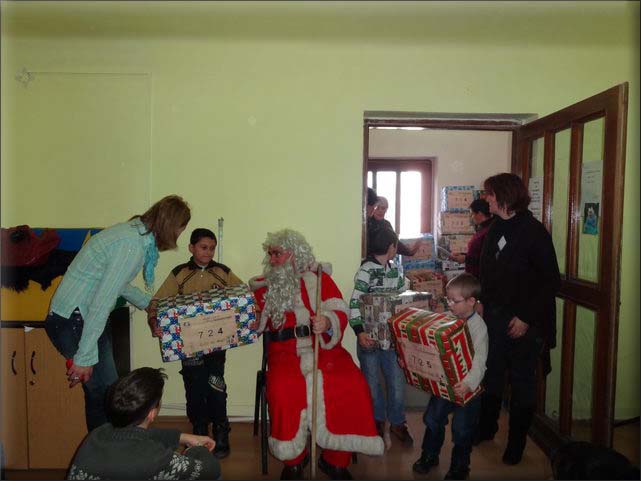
[(345, 419)]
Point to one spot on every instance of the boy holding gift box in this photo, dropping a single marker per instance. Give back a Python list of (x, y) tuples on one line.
[(377, 273), (463, 292), (203, 376)]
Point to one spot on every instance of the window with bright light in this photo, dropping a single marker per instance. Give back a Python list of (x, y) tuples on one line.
[(407, 186)]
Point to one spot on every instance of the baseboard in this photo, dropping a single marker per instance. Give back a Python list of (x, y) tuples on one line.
[(235, 410)]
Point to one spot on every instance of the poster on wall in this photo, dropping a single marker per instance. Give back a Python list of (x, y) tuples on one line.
[(591, 182), (536, 194)]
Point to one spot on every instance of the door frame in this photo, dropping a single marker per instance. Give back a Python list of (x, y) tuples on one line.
[(510, 123)]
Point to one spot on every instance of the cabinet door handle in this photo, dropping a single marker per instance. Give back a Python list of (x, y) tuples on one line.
[(33, 356), (13, 363)]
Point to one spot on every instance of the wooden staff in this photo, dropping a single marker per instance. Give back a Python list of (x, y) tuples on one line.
[(315, 371)]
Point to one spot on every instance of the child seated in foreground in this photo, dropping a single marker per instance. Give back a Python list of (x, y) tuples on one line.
[(126, 448), (463, 292)]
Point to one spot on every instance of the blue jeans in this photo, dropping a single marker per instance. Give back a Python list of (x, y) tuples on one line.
[(65, 336), (464, 423), (373, 361)]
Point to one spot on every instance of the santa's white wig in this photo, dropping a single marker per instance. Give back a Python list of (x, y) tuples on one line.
[(284, 280), (293, 242)]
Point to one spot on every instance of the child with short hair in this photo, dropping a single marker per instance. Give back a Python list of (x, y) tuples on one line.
[(377, 273), (126, 448), (463, 293), (203, 376)]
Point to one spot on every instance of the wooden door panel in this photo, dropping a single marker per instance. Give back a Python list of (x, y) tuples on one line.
[(14, 399), (55, 411), (596, 128)]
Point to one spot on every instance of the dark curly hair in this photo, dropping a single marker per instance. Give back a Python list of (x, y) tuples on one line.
[(382, 238), (480, 205), (201, 233), (131, 397)]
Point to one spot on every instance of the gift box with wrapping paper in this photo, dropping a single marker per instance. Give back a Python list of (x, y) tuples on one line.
[(457, 198), (456, 223), (455, 242), (377, 307), (435, 351), (207, 321), (426, 249)]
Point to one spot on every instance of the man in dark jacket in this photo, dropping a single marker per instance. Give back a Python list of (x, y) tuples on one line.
[(519, 279)]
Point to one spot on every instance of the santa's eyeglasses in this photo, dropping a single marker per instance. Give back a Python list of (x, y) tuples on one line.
[(271, 253)]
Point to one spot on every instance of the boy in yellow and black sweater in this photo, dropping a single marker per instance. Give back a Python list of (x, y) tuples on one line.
[(203, 376)]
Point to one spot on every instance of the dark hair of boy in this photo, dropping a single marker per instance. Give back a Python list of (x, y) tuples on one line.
[(199, 233), (469, 285), (131, 397), (372, 198), (480, 205), (382, 239), (509, 190)]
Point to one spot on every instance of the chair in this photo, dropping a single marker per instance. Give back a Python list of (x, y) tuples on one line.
[(260, 407)]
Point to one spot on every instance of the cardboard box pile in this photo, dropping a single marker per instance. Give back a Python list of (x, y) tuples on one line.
[(426, 280), (455, 242)]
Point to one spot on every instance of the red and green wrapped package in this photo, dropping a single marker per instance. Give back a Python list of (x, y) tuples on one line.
[(435, 351)]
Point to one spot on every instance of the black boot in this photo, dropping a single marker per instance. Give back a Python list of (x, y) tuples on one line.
[(520, 420), (488, 418), (333, 472), (296, 471), (220, 433), (201, 428), (425, 463), (460, 463)]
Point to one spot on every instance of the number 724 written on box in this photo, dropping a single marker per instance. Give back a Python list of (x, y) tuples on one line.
[(207, 331)]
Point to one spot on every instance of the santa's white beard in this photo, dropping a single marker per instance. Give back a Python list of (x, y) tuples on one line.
[(283, 285)]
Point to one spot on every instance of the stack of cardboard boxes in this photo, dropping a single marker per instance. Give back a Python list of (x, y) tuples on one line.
[(457, 227)]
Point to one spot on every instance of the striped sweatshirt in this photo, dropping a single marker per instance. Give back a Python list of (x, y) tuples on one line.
[(372, 276)]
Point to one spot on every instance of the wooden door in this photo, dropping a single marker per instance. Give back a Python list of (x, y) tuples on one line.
[(578, 154), (14, 399), (55, 412)]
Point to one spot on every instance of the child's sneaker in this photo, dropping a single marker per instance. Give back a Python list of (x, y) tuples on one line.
[(425, 463), (402, 433)]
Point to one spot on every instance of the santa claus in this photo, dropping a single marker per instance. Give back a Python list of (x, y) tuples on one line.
[(286, 296)]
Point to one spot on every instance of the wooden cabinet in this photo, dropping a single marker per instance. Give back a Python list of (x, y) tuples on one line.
[(14, 399), (43, 421)]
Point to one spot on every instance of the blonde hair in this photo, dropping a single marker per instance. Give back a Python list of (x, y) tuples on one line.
[(467, 284), (164, 218)]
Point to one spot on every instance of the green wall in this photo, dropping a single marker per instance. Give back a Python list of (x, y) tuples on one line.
[(254, 111)]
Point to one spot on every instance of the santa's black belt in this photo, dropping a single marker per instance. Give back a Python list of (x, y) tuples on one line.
[(289, 333)]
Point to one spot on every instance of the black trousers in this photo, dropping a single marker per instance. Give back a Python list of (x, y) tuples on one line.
[(205, 388), (519, 359)]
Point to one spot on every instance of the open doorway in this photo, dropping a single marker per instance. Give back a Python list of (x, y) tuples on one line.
[(575, 159), (410, 160)]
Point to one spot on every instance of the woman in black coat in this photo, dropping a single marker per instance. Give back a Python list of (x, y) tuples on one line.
[(519, 278)]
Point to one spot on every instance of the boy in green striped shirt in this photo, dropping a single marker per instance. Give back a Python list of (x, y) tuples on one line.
[(378, 273)]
